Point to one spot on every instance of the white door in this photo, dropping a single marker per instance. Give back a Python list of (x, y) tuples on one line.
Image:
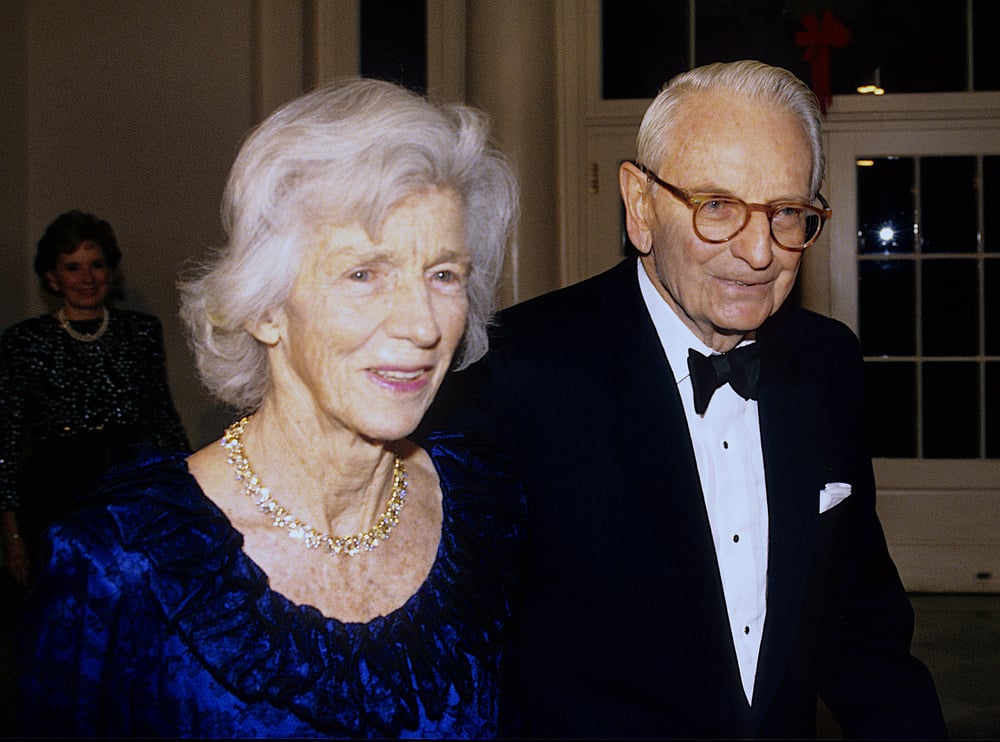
[(914, 268)]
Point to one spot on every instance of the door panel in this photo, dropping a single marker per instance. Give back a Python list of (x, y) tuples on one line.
[(923, 298), (607, 147)]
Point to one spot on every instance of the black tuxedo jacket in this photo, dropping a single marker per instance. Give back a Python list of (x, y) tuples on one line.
[(622, 628)]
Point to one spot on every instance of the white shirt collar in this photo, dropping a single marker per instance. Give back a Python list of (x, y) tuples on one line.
[(675, 337)]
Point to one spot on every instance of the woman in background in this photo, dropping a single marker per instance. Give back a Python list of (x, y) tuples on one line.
[(76, 386), (313, 573)]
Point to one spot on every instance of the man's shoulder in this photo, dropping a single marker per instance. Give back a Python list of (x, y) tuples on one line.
[(578, 304), (793, 322), (817, 340), (567, 322)]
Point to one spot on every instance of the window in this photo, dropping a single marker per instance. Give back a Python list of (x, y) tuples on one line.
[(900, 45), (393, 42), (928, 280)]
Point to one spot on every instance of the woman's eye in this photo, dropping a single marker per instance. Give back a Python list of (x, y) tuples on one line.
[(451, 277), (361, 275)]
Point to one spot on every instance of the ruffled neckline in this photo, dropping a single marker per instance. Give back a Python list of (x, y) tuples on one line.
[(342, 678)]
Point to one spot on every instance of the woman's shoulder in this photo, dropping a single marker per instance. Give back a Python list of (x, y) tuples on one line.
[(135, 318), (484, 525), (143, 495), (30, 329), (464, 462), (479, 482)]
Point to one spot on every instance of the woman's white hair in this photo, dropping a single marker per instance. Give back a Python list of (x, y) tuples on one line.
[(746, 79), (346, 153)]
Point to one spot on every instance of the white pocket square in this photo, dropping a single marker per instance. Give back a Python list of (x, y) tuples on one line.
[(833, 493)]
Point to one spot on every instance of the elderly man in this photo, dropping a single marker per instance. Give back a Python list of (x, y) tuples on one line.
[(705, 560)]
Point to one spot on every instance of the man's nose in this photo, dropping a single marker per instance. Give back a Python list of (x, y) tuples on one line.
[(755, 244)]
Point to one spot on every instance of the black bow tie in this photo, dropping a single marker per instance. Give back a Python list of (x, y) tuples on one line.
[(739, 367)]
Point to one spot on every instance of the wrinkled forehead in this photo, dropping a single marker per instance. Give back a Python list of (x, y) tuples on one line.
[(716, 140)]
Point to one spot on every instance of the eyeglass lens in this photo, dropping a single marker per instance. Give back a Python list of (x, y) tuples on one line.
[(722, 219)]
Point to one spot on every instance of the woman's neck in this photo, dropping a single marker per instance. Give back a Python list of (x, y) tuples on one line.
[(331, 478), (81, 314)]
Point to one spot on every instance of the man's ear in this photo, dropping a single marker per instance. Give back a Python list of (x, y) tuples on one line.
[(268, 329), (638, 206)]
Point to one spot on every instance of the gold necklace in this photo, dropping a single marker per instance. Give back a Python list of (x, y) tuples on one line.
[(82, 336), (281, 518)]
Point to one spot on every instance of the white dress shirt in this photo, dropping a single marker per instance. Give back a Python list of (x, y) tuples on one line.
[(731, 467)]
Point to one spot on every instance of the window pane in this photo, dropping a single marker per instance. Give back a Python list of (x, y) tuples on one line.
[(643, 44), (948, 211), (890, 412), (915, 47), (951, 410), (992, 410), (950, 308), (729, 30), (885, 205), (991, 197), (986, 60), (991, 301), (394, 42), (887, 307)]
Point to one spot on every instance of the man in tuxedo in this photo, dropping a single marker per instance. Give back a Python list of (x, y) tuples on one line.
[(702, 562)]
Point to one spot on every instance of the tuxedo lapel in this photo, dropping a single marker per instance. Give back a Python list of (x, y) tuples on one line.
[(789, 437), (667, 462)]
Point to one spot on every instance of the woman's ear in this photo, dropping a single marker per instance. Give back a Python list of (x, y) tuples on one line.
[(268, 329), (636, 196), (50, 279)]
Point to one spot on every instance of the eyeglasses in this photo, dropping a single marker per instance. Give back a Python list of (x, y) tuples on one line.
[(717, 219)]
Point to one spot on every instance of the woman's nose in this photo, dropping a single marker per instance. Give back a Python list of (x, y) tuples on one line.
[(413, 316)]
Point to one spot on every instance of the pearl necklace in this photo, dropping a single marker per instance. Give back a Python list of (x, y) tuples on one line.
[(82, 336), (313, 539)]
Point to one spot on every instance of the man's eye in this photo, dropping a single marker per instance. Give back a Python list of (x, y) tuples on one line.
[(446, 276), (361, 275)]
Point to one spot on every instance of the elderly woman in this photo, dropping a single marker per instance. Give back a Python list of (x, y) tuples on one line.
[(314, 573)]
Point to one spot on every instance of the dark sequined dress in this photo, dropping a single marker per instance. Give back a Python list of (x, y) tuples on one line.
[(69, 408)]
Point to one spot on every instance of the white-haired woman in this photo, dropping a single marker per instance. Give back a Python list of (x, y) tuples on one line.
[(313, 573)]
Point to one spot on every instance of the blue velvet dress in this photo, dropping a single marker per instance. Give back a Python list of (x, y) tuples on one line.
[(150, 620)]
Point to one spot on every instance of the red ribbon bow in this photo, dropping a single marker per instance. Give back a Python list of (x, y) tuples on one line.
[(818, 38)]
